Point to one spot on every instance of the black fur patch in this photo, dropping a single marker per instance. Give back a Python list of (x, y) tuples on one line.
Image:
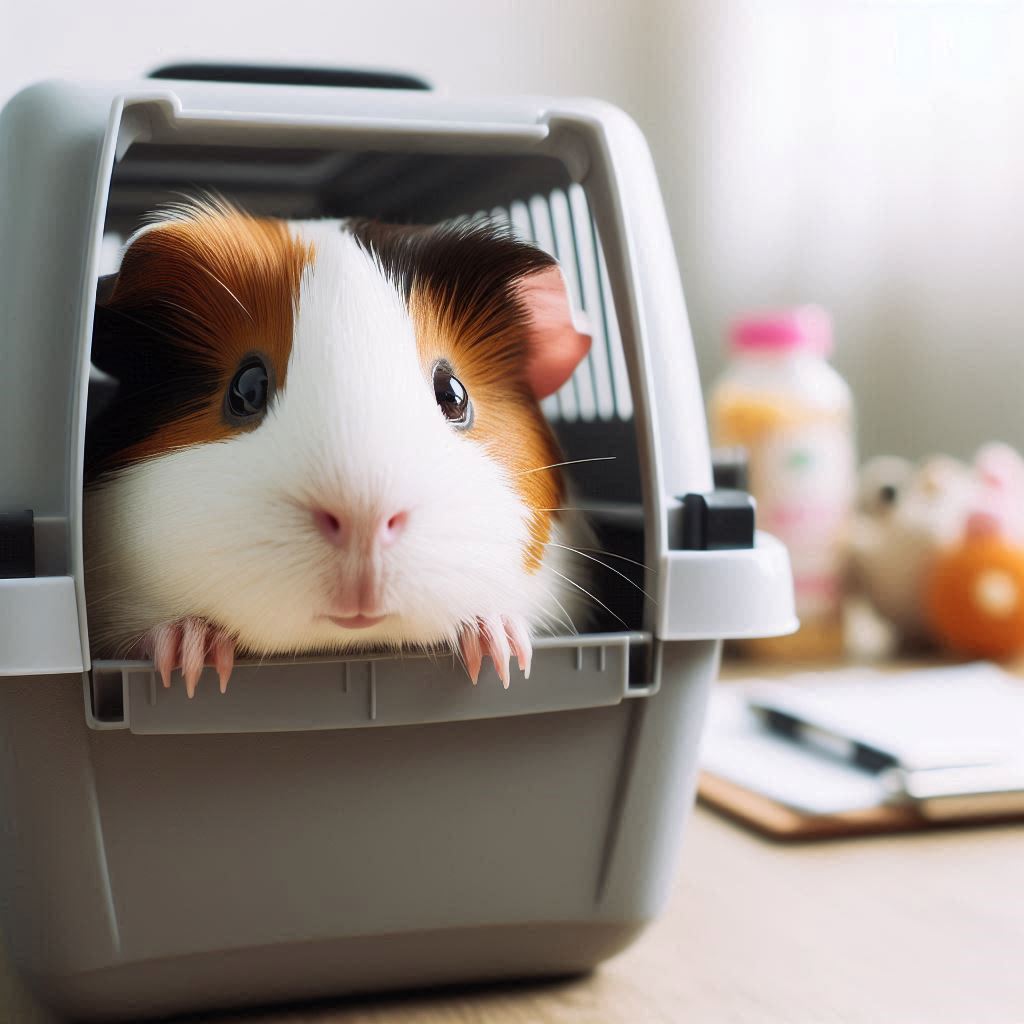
[(157, 381)]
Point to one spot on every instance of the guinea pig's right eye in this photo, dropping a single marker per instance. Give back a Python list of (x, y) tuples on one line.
[(249, 391), (452, 397)]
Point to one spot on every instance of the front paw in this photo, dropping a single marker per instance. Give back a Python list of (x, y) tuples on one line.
[(499, 636), (188, 644)]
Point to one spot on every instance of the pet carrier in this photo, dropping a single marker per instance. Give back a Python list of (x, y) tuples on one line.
[(359, 822)]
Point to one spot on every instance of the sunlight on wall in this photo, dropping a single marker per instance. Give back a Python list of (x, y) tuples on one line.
[(867, 156)]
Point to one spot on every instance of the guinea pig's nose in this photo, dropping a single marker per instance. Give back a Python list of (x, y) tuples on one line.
[(334, 526), (340, 530), (390, 528)]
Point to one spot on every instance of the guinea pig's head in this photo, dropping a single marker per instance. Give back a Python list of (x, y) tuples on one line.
[(325, 434)]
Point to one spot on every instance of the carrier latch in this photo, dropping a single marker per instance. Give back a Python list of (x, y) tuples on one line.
[(715, 521)]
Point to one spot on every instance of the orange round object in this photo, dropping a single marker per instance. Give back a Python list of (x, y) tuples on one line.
[(974, 598)]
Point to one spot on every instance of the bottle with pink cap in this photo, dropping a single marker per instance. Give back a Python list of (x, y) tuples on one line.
[(781, 401)]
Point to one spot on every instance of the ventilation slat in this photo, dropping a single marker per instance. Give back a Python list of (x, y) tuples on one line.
[(561, 224), (620, 374), (598, 365), (595, 299)]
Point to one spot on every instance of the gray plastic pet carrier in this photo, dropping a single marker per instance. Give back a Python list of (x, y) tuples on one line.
[(354, 823)]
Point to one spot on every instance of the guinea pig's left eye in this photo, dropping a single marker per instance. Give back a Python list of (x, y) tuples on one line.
[(248, 391), (452, 396)]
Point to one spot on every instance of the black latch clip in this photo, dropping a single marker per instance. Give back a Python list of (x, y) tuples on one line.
[(717, 520)]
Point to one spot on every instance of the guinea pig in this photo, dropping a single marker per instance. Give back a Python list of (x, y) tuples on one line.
[(326, 435)]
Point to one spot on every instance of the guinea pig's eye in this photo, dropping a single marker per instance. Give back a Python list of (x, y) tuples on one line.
[(452, 396), (248, 391)]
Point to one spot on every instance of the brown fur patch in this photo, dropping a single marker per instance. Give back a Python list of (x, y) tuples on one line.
[(507, 420), (193, 297)]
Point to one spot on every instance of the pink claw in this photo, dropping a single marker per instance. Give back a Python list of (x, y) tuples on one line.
[(165, 640), (193, 650), (223, 659), (471, 652), (497, 643), (188, 644), (521, 644)]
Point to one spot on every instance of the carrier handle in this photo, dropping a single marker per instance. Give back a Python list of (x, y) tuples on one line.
[(268, 74)]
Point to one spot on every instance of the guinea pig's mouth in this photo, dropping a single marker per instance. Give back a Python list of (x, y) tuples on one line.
[(355, 621)]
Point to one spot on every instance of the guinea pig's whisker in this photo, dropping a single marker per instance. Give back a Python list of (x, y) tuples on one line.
[(124, 648), (612, 554), (561, 623), (596, 600), (546, 628), (568, 618), (175, 305), (610, 568), (227, 289), (570, 462), (111, 596), (567, 508), (564, 623)]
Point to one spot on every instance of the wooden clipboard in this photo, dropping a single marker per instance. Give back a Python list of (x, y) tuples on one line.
[(778, 821)]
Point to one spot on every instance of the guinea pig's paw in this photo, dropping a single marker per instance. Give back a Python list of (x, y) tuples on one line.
[(499, 636), (188, 644)]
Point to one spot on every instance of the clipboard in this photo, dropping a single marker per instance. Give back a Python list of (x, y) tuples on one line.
[(860, 751), (776, 820)]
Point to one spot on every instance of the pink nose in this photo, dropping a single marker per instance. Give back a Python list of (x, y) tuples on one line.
[(339, 529)]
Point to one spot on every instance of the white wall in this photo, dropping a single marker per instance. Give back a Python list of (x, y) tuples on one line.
[(862, 153), (870, 156)]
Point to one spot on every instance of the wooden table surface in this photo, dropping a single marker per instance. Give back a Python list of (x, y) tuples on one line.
[(926, 927)]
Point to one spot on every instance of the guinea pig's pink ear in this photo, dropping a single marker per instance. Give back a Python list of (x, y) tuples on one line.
[(556, 344)]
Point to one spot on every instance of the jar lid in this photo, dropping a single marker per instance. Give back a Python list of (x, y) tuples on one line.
[(808, 328)]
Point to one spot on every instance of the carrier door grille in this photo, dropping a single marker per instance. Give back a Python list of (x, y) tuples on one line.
[(560, 223)]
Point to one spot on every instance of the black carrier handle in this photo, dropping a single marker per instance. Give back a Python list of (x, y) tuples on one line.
[(263, 74)]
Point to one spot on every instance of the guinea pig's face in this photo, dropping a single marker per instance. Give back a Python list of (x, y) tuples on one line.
[(326, 435)]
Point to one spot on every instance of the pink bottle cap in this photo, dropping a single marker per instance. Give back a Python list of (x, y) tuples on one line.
[(805, 327)]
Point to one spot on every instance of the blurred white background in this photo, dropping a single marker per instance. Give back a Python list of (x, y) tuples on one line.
[(865, 154)]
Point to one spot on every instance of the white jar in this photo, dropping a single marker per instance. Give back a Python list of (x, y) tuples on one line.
[(782, 402)]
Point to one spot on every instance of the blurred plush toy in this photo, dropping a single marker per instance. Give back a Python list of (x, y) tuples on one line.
[(974, 593), (938, 549), (905, 516)]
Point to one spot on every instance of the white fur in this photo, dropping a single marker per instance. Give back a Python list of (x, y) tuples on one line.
[(225, 531)]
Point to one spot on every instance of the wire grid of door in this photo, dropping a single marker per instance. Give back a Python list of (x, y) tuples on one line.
[(561, 224)]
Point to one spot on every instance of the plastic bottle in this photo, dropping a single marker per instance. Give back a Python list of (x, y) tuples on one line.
[(782, 402)]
